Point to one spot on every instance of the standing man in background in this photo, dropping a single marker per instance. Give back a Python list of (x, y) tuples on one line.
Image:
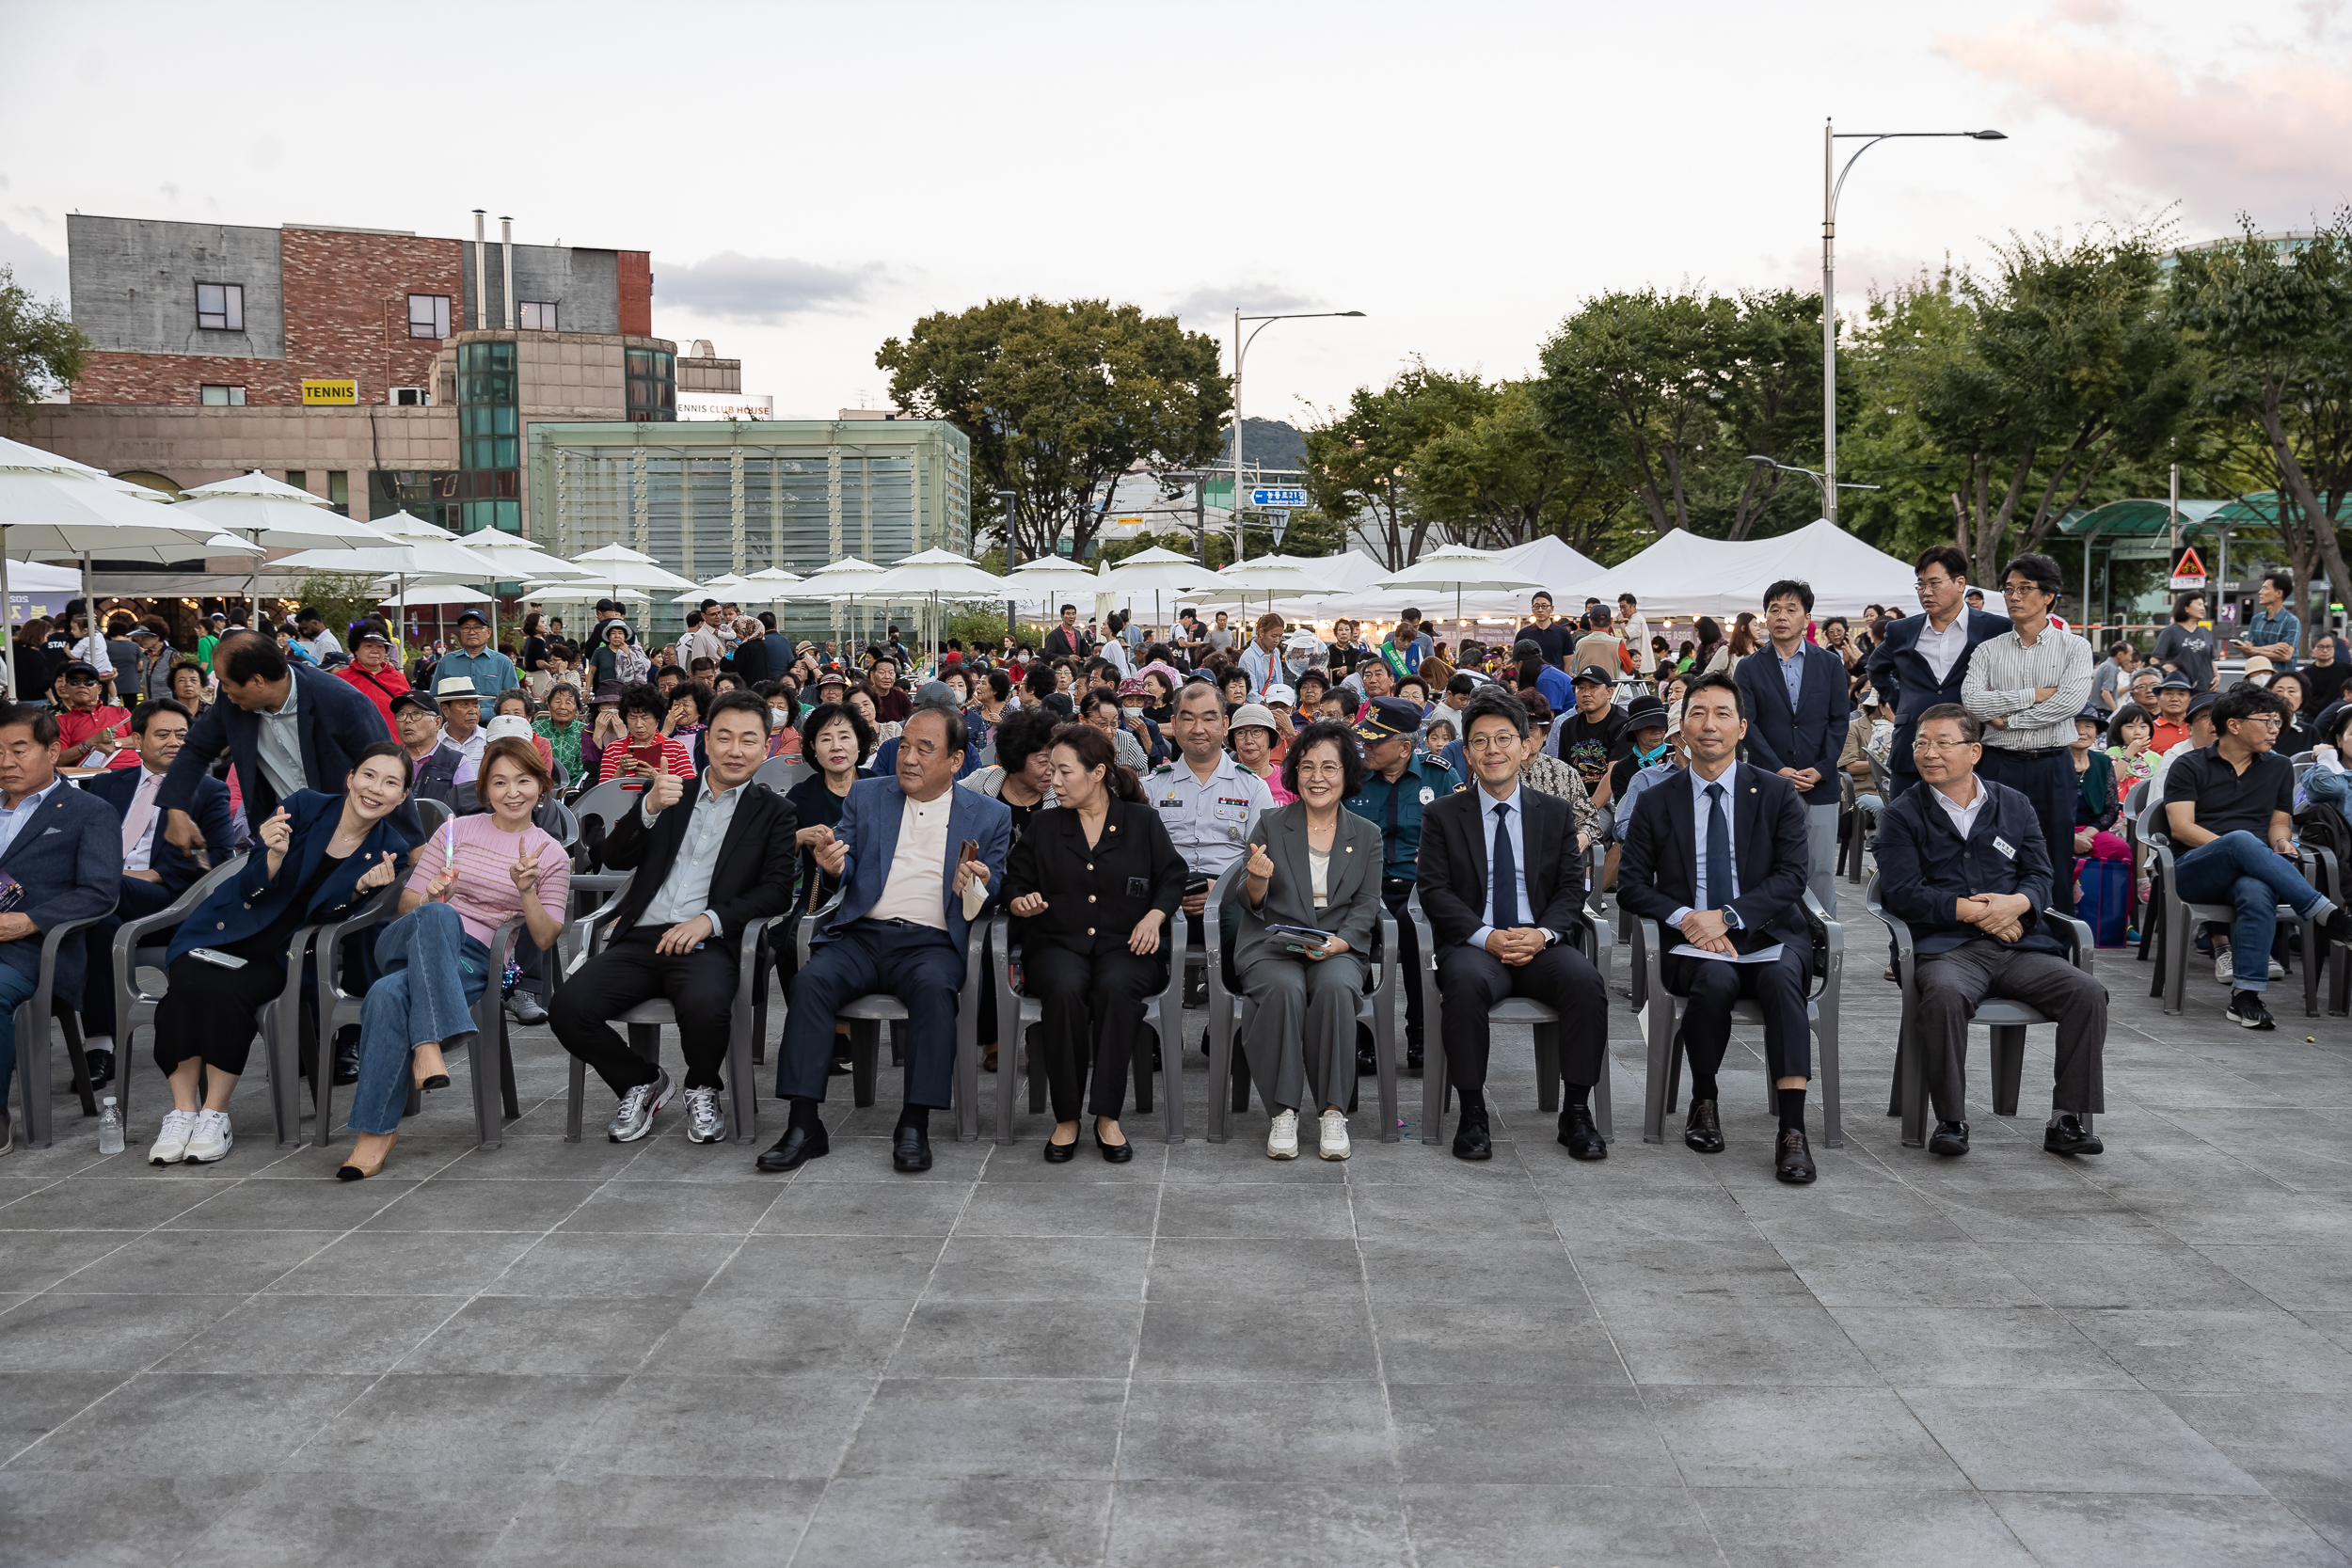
[(1554, 639), (1921, 659), (1636, 629), (2025, 686), (1797, 708), (490, 671), (2273, 630)]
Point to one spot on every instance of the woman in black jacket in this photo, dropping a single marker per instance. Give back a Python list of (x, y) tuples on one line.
[(1093, 947)]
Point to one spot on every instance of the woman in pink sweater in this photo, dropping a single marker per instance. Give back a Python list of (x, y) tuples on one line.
[(472, 876)]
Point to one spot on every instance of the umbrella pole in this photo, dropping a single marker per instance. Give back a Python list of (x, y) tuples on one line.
[(89, 610), (8, 622)]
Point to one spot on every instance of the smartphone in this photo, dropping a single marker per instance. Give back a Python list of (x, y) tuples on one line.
[(1195, 886), (216, 959)]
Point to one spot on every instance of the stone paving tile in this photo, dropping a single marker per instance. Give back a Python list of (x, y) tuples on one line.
[(581, 1352)]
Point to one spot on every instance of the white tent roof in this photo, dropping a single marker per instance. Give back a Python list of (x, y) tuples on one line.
[(1684, 575), (1545, 560)]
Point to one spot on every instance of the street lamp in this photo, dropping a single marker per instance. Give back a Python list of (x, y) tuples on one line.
[(1821, 482), (1241, 348), (1832, 182)]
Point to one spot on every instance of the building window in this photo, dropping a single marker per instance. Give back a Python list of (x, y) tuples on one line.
[(220, 307), (221, 397), (339, 492), (298, 478), (538, 315), (428, 315), (489, 444), (652, 385)]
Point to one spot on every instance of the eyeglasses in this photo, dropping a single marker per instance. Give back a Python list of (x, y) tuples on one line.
[(1940, 745), (2267, 721), (1491, 742)]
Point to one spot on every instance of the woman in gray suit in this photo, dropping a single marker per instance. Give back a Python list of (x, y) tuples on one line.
[(1311, 864)]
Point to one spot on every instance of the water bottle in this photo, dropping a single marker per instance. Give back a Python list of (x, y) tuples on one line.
[(109, 1127)]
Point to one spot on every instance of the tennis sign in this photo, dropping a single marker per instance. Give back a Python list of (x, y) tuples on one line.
[(330, 394)]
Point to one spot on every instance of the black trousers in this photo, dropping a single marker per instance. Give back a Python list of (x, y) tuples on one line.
[(134, 901), (699, 984), (1713, 986), (1394, 891), (917, 964), (2050, 783), (1092, 994), (1472, 980), (1952, 983), (212, 1012)]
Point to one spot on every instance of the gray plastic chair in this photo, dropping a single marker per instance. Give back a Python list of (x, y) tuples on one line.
[(144, 941), (34, 1040), (1230, 1015), (2006, 1022), (1016, 1012), (1664, 1086), (331, 1009), (2178, 920), (780, 773), (868, 1014), (1591, 938)]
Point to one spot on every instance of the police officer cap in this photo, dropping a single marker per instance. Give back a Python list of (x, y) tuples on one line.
[(1388, 718)]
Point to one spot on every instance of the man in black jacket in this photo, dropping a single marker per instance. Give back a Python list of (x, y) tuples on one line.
[(1962, 861), (709, 865), (1503, 882), (1719, 855)]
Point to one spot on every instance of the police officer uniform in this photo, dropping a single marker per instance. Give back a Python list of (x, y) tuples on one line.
[(1395, 807), (1209, 823)]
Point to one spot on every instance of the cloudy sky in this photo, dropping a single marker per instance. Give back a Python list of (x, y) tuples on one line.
[(812, 179)]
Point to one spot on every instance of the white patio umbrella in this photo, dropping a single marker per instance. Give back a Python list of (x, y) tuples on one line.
[(727, 588), (843, 582), (408, 550), (938, 576), (583, 592), (618, 567), (1464, 571), (1049, 580), (1270, 578), (770, 582), (1157, 571)]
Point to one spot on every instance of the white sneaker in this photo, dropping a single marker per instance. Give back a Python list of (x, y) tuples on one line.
[(2224, 966), (171, 1143), (2277, 969), (633, 1119), (1332, 1135), (1282, 1139), (706, 1122), (212, 1138)]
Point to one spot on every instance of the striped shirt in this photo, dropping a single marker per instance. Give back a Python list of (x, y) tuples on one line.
[(2002, 675), (485, 896), (676, 758)]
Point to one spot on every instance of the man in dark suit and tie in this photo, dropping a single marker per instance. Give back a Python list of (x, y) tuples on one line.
[(1719, 856), (1798, 704), (59, 860), (154, 871), (898, 926), (1921, 659), (1501, 880)]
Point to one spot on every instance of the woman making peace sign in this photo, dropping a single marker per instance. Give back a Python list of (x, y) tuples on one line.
[(474, 874)]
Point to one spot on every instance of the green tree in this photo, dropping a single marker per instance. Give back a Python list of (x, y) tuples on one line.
[(1360, 470), (1502, 479), (40, 348), (1061, 400), (2279, 331)]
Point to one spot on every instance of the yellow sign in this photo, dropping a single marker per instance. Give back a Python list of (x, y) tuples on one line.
[(330, 394)]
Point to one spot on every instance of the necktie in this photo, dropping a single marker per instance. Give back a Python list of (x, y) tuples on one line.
[(142, 812), (1718, 850), (1505, 873)]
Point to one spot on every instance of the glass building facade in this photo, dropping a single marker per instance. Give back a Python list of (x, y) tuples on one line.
[(489, 438)]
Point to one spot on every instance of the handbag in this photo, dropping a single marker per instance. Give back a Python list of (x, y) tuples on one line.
[(2101, 889)]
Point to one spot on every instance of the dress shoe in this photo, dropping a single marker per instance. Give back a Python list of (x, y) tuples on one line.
[(1412, 1058), (1581, 1137), (1117, 1154), (1367, 1062), (1061, 1154), (1950, 1137), (1470, 1141), (1703, 1131), (102, 1067), (988, 1059), (347, 1058), (798, 1145), (910, 1150), (1794, 1162), (2070, 1136)]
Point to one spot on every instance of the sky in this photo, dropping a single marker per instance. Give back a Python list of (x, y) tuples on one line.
[(812, 179)]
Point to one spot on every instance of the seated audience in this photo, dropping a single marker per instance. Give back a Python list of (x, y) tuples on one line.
[(644, 750)]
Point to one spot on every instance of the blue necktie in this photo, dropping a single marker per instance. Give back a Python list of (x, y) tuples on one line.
[(1718, 850), (1505, 873)]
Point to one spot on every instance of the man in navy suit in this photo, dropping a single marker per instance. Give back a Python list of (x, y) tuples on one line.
[(61, 861), (896, 927), (1921, 659), (288, 727), (1797, 707), (154, 871), (1719, 855)]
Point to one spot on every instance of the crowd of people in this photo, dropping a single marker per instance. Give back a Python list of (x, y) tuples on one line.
[(1101, 785)]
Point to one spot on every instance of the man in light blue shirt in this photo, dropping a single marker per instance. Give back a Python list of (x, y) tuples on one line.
[(490, 671), (2273, 630)]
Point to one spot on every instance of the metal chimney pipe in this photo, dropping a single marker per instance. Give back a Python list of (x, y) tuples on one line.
[(481, 275), (507, 256)]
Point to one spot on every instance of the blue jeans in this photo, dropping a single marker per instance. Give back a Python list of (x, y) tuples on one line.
[(433, 974), (2238, 868), (16, 989)]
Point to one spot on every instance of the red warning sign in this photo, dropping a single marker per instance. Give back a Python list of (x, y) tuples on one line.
[(2189, 571)]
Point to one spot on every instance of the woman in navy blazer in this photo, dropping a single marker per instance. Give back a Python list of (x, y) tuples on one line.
[(315, 859)]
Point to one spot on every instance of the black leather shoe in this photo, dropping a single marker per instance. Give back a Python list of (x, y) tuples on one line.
[(910, 1150), (1061, 1154), (1367, 1062), (1703, 1131), (842, 1066), (1470, 1141), (2070, 1136), (1117, 1154), (798, 1145), (347, 1058), (1412, 1058), (102, 1067), (1794, 1162), (1581, 1137), (1950, 1137)]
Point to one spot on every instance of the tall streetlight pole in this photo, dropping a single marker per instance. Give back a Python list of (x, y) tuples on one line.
[(1832, 182), (1241, 347)]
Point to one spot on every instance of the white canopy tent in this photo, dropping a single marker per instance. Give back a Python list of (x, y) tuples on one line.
[(1684, 575)]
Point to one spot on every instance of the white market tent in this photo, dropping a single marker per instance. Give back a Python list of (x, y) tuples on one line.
[(1358, 577), (1684, 575)]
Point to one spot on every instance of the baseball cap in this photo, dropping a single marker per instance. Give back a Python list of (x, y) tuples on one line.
[(142, 631), (1388, 718), (80, 670), (423, 700), (1594, 673), (1258, 714), (371, 637), (459, 686), (475, 616), (1277, 692), (508, 726)]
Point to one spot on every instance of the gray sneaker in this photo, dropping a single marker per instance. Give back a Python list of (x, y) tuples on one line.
[(705, 1121), (634, 1118)]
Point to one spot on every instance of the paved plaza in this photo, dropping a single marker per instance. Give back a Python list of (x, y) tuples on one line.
[(581, 1353)]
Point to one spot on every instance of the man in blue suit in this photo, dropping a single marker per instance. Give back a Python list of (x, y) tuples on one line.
[(59, 860), (154, 872), (287, 726), (905, 850), (1921, 659), (1797, 708)]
